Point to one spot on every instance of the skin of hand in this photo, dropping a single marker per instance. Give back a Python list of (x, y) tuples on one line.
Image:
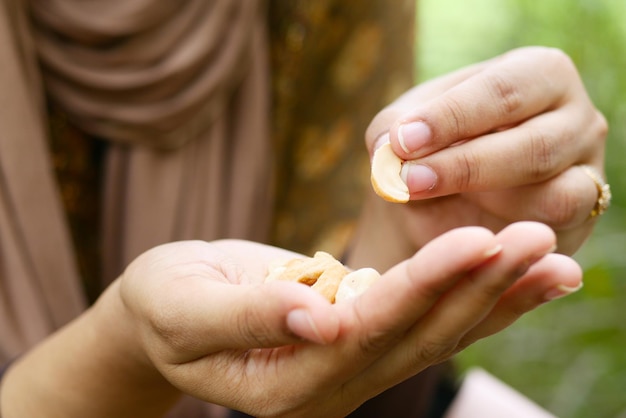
[(195, 317), (494, 143)]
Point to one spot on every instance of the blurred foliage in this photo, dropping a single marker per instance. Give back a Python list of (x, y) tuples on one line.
[(569, 355)]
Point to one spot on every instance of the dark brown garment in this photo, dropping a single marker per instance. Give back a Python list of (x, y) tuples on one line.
[(335, 64), (426, 395)]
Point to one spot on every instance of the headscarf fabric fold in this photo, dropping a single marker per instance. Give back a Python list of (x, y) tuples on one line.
[(177, 90), (153, 72)]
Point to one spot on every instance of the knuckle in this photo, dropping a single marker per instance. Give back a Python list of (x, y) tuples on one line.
[(467, 171), (506, 94), (543, 153), (432, 351), (562, 207), (250, 329), (556, 54), (556, 57), (165, 323), (453, 117), (600, 125), (380, 124)]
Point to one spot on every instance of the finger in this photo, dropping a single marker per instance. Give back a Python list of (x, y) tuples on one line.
[(471, 299), (521, 84), (561, 202), (422, 93), (435, 337), (553, 277), (406, 292), (564, 202), (530, 153)]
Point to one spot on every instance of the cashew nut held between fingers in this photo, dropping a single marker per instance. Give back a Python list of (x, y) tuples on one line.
[(385, 177)]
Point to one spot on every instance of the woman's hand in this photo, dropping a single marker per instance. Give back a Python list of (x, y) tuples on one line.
[(197, 318), (494, 143), (215, 331)]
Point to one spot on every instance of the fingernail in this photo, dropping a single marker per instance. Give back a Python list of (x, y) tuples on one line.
[(418, 177), (493, 251), (381, 140), (561, 291), (412, 136), (300, 322)]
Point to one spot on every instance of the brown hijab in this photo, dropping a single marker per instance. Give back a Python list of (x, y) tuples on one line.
[(110, 67)]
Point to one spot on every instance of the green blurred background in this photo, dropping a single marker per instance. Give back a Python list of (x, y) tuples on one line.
[(569, 356)]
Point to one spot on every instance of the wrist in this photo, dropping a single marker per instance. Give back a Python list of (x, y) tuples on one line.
[(141, 387), (380, 240), (94, 366)]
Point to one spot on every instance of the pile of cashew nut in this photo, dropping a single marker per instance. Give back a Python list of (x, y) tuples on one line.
[(326, 275)]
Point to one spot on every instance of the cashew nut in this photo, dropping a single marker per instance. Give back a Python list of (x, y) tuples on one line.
[(325, 274), (355, 283), (386, 180)]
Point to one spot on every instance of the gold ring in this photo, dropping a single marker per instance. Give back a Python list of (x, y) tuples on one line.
[(604, 191)]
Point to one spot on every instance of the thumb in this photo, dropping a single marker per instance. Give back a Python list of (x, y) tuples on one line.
[(232, 316), (282, 313)]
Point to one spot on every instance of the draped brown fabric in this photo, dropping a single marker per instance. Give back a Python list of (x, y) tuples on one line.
[(188, 81), (145, 71), (182, 107), (335, 64), (39, 289), (179, 89)]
